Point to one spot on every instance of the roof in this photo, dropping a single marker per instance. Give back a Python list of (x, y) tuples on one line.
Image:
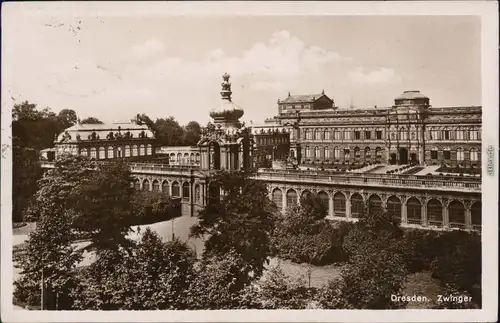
[(411, 95), (305, 98), (102, 131)]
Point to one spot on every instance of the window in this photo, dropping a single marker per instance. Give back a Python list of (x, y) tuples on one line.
[(367, 152), (337, 134), (317, 134), (317, 153), (83, 152), (185, 191), (447, 154), (368, 135), (127, 151), (308, 152), (459, 134), (356, 152), (111, 152), (446, 134), (165, 188), (434, 135), (460, 154), (327, 153), (149, 150), (197, 158), (347, 135), (326, 134), (473, 154), (473, 135), (142, 150), (156, 186), (93, 152), (357, 135), (434, 153), (145, 185), (176, 189), (308, 134), (378, 133), (403, 134), (378, 152), (336, 152), (134, 150), (346, 153)]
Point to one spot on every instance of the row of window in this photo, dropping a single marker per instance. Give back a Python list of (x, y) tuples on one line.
[(186, 158), (271, 140), (455, 135), (164, 187), (336, 152), (335, 134), (456, 210), (460, 154), (128, 151)]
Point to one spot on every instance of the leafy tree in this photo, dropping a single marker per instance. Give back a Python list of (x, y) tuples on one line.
[(67, 118), (192, 133), (91, 120), (26, 172), (330, 296), (32, 128), (170, 133), (151, 207), (155, 277), (218, 283), (241, 220), (49, 259)]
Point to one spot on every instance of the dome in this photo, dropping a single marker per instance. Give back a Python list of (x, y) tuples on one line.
[(227, 111), (411, 95)]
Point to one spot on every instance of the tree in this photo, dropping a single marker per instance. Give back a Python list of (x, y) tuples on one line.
[(26, 172), (150, 207), (91, 120), (155, 277), (192, 133), (169, 132), (241, 220), (67, 118), (32, 128)]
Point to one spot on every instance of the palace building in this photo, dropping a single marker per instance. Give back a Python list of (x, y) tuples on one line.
[(410, 131)]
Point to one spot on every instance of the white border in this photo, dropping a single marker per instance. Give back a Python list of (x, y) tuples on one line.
[(487, 10)]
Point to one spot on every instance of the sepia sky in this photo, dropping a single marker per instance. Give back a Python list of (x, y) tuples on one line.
[(115, 67)]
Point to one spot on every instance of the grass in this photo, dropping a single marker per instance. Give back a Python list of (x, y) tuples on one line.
[(320, 275)]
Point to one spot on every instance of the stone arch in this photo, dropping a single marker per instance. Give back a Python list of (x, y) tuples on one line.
[(145, 185), (165, 187), (305, 193), (324, 198), (339, 204), (186, 191), (291, 198), (476, 215), (394, 206), (375, 205), (456, 214), (413, 211), (156, 186), (435, 212), (176, 189), (277, 197), (137, 184), (357, 205)]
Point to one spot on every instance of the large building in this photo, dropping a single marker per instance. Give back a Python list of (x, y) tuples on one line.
[(420, 140), (410, 131)]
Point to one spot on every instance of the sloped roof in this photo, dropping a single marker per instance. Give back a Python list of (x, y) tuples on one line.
[(305, 98), (102, 130)]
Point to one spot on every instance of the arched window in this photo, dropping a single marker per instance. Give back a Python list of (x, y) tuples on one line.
[(137, 184), (413, 211), (156, 186), (378, 153), (93, 152), (291, 198), (473, 154), (83, 152), (186, 158), (278, 198), (476, 215), (336, 152), (356, 205), (456, 214), (394, 207), (325, 200), (459, 134), (111, 152), (473, 134), (347, 134), (346, 153), (74, 151), (375, 204), (368, 153), (326, 134), (337, 135), (149, 150), (435, 212), (460, 154), (145, 185), (197, 158), (317, 152), (179, 158), (134, 150), (305, 194), (317, 134), (356, 152), (191, 158), (127, 151), (142, 150), (403, 134), (165, 188), (309, 134), (339, 204), (185, 191), (176, 189)]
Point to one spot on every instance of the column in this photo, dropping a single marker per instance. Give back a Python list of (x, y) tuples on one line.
[(283, 199), (468, 218), (424, 213), (330, 206), (404, 213), (348, 207), (446, 219)]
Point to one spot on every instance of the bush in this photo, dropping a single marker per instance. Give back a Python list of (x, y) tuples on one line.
[(151, 207)]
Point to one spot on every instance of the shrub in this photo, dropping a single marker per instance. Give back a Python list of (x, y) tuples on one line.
[(150, 207)]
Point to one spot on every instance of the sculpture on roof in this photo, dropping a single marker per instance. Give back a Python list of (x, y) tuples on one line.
[(226, 87)]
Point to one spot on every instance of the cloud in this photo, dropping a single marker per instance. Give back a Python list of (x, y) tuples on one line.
[(379, 75), (150, 47)]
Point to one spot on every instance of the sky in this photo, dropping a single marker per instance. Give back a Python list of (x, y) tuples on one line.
[(113, 67)]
